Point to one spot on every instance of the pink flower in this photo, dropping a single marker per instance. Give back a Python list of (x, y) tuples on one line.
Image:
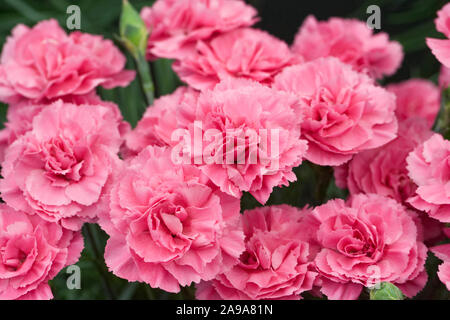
[(344, 111), (160, 120), (33, 251), (444, 78), (59, 168), (443, 253), (277, 260), (441, 47), (168, 225), (383, 170), (416, 98), (369, 240), (20, 118), (44, 63), (243, 53), (175, 25), (252, 137), (429, 168), (352, 42)]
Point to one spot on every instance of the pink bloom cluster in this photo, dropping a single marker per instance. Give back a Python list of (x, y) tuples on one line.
[(58, 150), (168, 192)]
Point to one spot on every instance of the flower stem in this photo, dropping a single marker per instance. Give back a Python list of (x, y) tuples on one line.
[(145, 78), (91, 239)]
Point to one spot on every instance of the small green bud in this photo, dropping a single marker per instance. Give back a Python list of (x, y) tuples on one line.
[(133, 32), (386, 291)]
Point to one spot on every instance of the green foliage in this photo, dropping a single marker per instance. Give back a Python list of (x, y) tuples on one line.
[(387, 291)]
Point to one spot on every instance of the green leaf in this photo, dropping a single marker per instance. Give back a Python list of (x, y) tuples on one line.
[(387, 291)]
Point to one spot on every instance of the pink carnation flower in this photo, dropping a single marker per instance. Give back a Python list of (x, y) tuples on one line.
[(175, 25), (383, 170), (44, 63), (168, 225), (441, 47), (20, 118), (59, 168), (243, 53), (160, 120), (344, 111), (369, 240), (253, 125), (352, 42), (276, 263), (429, 168), (33, 251), (416, 98)]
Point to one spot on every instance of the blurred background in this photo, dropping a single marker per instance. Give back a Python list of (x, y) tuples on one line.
[(407, 21)]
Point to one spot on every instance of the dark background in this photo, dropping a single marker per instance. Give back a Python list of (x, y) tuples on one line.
[(407, 21)]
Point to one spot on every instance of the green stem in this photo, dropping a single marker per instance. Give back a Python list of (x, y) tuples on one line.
[(145, 78), (91, 239), (443, 122), (323, 175)]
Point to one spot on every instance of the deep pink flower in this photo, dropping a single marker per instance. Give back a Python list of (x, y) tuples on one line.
[(160, 120), (44, 63), (175, 25), (429, 168), (383, 170), (59, 168), (369, 240), (441, 47), (32, 252), (352, 42), (168, 224), (416, 98), (277, 260), (344, 111), (243, 53), (250, 137)]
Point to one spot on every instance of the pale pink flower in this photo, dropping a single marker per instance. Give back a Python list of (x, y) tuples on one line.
[(175, 25), (256, 127), (369, 240), (59, 168), (277, 262), (344, 111), (242, 53), (168, 224), (383, 170), (33, 251), (160, 120), (441, 47), (44, 63), (429, 168), (416, 98), (352, 42)]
